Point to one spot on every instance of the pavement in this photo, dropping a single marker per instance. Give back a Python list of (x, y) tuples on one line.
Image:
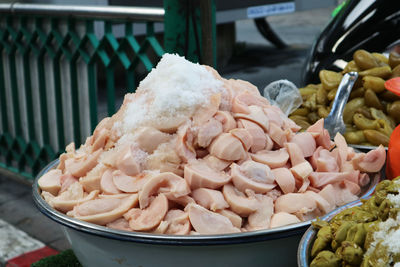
[(255, 60)]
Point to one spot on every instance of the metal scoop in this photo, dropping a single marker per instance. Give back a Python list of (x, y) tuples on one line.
[(334, 122)]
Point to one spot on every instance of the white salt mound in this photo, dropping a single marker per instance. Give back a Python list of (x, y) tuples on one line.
[(170, 94)]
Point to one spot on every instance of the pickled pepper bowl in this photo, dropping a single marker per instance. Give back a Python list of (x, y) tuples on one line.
[(96, 245), (307, 241)]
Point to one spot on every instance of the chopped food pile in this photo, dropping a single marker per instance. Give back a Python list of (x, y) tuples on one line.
[(193, 153), (366, 235), (371, 113)]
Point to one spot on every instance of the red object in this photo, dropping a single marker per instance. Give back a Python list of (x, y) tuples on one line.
[(393, 85), (25, 260), (393, 155)]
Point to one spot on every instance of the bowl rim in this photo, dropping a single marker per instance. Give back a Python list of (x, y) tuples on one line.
[(163, 239), (308, 237)]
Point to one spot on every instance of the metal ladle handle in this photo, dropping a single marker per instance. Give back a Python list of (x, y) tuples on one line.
[(342, 94)]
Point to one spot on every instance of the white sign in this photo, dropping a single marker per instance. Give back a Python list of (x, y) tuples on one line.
[(272, 9)]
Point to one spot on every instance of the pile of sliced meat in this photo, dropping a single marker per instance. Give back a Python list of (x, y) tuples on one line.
[(237, 164)]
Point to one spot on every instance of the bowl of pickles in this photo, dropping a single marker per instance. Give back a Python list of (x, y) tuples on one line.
[(371, 112), (362, 233)]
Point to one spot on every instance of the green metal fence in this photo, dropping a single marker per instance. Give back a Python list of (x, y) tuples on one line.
[(57, 68)]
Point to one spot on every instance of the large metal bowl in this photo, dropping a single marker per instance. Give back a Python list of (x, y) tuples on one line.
[(95, 245), (307, 241)]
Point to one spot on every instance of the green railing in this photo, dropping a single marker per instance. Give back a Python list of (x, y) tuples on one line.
[(61, 70)]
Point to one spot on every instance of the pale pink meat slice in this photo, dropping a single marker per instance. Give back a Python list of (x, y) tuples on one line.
[(129, 184), (178, 222), (149, 138), (243, 100), (238, 201), (216, 163), (50, 181), (261, 218), (243, 86), (269, 144), (165, 182), (208, 222), (63, 157), (310, 188), (208, 131), (257, 171), (119, 196), (127, 162), (105, 123), (289, 124), (206, 112), (100, 139), (350, 153), (103, 211), (182, 201), (107, 184), (328, 193), (109, 157), (78, 167), (198, 174), (363, 179), (210, 199), (73, 196), (315, 156), (92, 179), (184, 143), (302, 171), (343, 195), (150, 217), (352, 187), (227, 147), (306, 142), (372, 161), (274, 115), (244, 136), (165, 159), (274, 158), (66, 181), (295, 202), (256, 115), (322, 204), (302, 185), (277, 134), (227, 120), (320, 179), (259, 137), (325, 161), (235, 219), (342, 147), (285, 179), (119, 224), (320, 134), (295, 153), (252, 175), (161, 228), (283, 218)]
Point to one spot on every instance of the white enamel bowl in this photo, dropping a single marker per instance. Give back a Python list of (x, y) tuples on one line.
[(99, 246)]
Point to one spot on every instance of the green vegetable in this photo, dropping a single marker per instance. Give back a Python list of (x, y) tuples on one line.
[(64, 259), (325, 258), (344, 240)]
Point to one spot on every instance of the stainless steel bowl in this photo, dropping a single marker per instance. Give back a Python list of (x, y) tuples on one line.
[(96, 245), (307, 241)]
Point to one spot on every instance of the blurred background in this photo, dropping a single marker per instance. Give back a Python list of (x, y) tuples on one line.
[(66, 66)]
